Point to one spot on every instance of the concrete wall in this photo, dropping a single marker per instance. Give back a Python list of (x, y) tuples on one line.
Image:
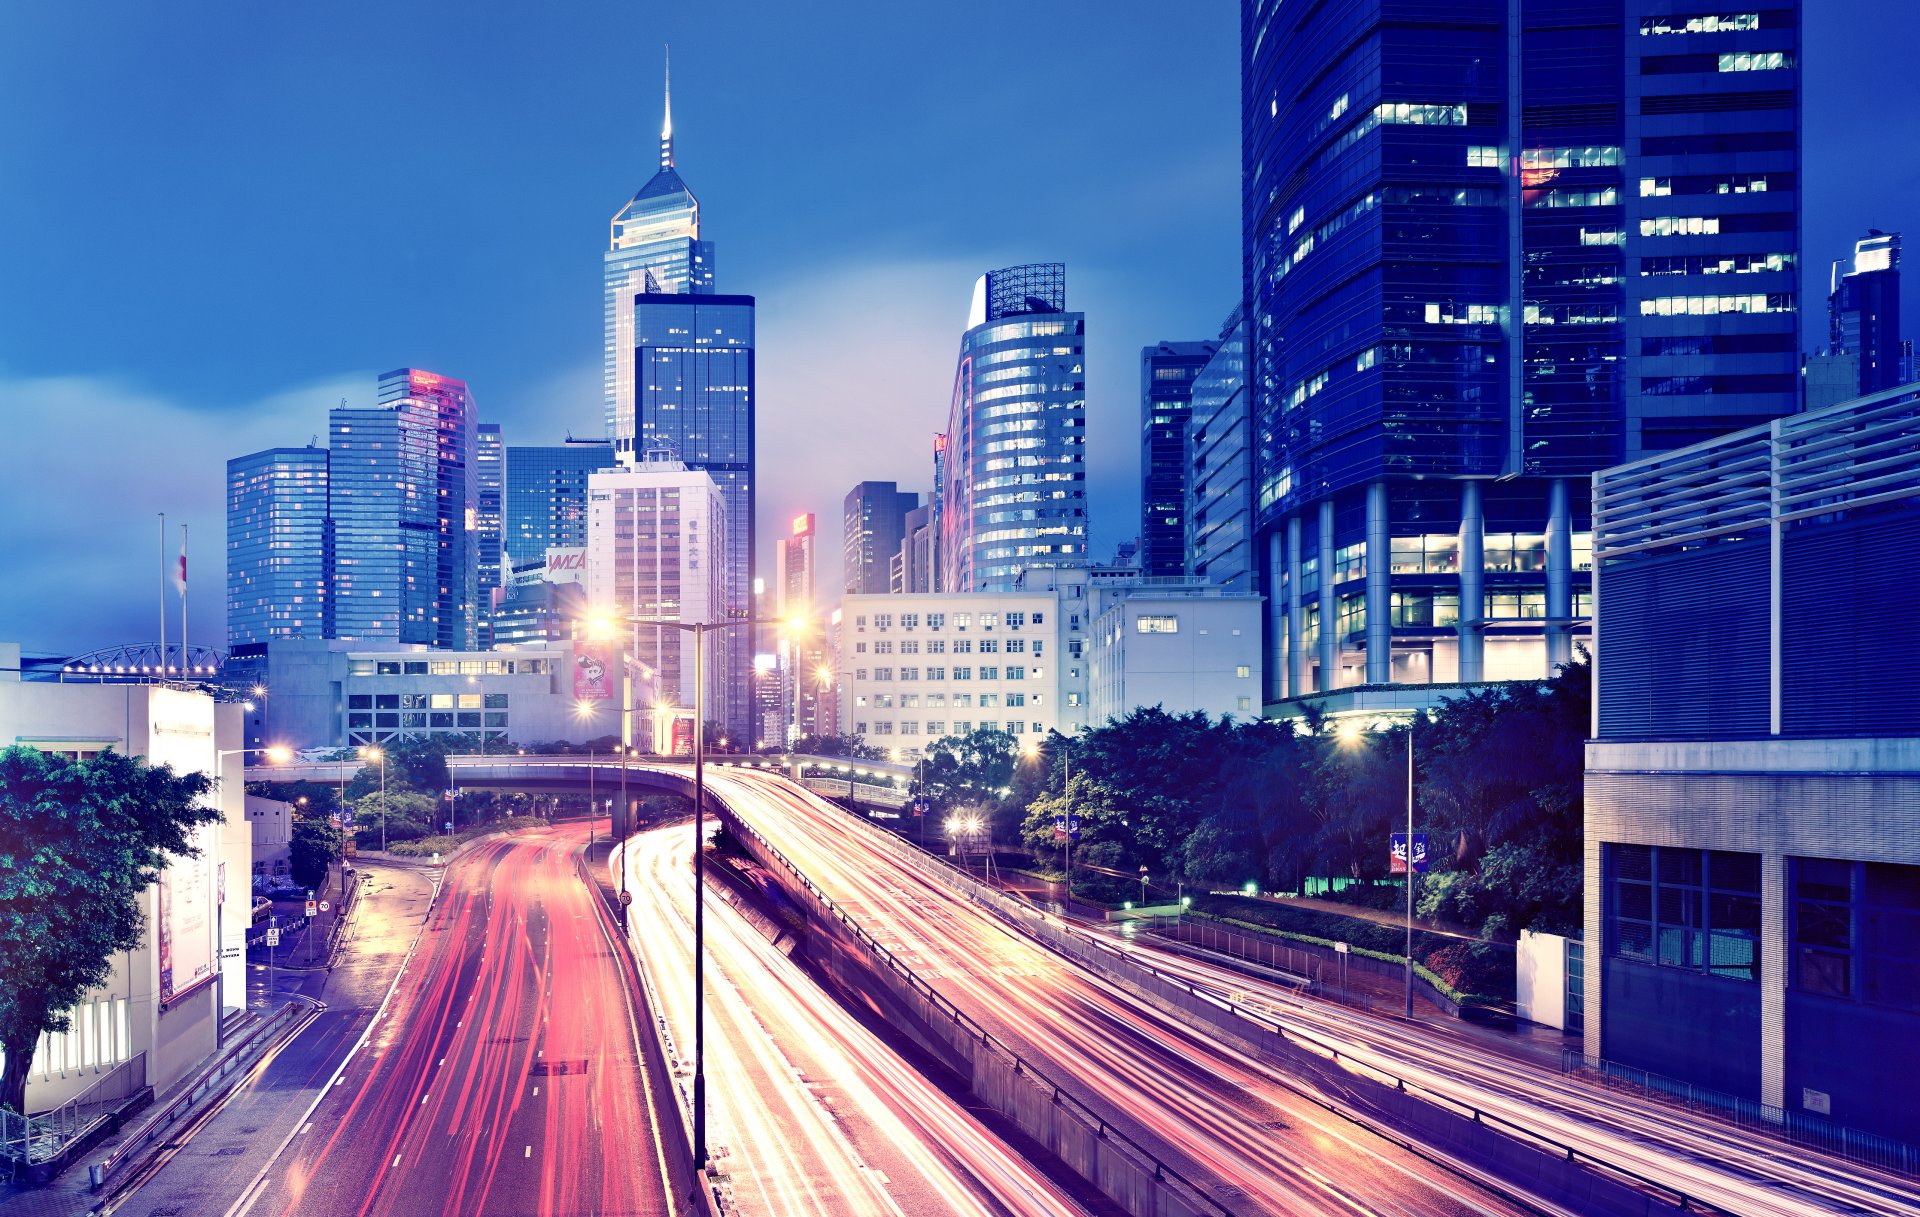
[(1540, 963)]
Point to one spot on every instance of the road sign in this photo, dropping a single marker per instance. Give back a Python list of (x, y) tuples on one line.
[(273, 938), (449, 826), (1399, 861), (312, 908), (326, 906), (1341, 948), (626, 897)]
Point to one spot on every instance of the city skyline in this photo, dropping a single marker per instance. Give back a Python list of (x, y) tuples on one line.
[(527, 339)]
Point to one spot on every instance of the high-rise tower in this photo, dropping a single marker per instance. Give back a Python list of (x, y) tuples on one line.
[(654, 248), (278, 545), (1863, 311), (1167, 371)]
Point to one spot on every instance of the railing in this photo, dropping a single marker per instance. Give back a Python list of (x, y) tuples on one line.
[(40, 1138), (1801, 1128)]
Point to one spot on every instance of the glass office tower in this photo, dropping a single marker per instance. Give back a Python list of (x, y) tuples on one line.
[(1166, 391), (654, 247), (693, 360), (278, 545), (1219, 507), (546, 498), (1491, 246), (1863, 312), (873, 524), (489, 474), (1013, 460)]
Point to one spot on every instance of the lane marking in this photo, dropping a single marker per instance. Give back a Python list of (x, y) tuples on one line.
[(529, 1152), (307, 1127), (396, 1161)]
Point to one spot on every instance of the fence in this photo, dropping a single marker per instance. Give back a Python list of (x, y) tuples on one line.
[(1801, 1128), (40, 1138)]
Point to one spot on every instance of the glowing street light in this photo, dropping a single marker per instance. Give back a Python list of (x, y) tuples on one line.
[(1350, 733)]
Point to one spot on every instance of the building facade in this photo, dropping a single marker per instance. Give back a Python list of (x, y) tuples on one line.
[(1167, 373), (490, 468), (279, 546), (1180, 644), (657, 541), (917, 667), (1013, 460), (1219, 508), (1490, 248), (1752, 811), (873, 522), (653, 247), (452, 510), (546, 499), (1863, 313), (913, 566)]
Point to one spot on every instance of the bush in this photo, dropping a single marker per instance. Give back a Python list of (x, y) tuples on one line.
[(442, 844)]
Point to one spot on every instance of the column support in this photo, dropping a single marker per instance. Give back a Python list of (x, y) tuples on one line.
[(1379, 587), (1329, 608), (1296, 659), (1473, 598), (1559, 577)]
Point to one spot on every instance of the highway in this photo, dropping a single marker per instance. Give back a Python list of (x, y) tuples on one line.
[(810, 1111), (1214, 1114), (503, 1075)]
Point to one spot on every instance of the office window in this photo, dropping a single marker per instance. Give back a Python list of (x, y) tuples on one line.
[(496, 701), (909, 673), (1243, 671), (1039, 618), (989, 701), (962, 620), (1855, 930), (990, 672), (936, 673), (937, 647), (936, 621), (1482, 156), (909, 621), (883, 673), (1016, 620), (963, 646), (1685, 908), (989, 646), (962, 725), (989, 620), (963, 701), (936, 726), (1157, 623), (909, 727), (883, 728), (883, 701), (883, 621), (883, 648), (909, 648), (1016, 673), (960, 673), (1016, 699), (1016, 727)]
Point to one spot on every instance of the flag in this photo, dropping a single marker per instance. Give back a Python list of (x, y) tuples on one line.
[(180, 569), (1059, 828)]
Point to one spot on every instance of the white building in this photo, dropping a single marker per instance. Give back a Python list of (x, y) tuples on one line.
[(656, 548), (1179, 644), (162, 1002), (918, 667)]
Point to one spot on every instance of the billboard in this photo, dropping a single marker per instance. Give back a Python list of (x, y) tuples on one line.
[(592, 672), (180, 735), (566, 564)]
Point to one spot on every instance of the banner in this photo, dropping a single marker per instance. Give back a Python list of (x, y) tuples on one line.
[(1398, 863), (592, 672)]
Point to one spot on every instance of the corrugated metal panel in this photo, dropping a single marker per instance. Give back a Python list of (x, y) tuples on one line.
[(1847, 588), (1683, 644)]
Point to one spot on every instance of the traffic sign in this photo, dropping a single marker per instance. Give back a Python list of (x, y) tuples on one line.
[(326, 906), (449, 826), (312, 908), (1398, 865), (1341, 948), (273, 938), (626, 897)]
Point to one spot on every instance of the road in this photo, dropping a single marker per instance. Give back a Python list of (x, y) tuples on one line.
[(1217, 1116), (811, 1112), (503, 1076)]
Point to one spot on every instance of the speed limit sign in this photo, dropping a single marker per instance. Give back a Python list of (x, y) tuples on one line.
[(626, 898)]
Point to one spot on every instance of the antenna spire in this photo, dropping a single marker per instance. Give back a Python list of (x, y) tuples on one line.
[(666, 125)]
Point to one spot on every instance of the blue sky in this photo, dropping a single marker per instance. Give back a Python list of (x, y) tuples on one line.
[(218, 219)]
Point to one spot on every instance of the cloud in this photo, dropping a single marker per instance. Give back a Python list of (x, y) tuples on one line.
[(86, 466)]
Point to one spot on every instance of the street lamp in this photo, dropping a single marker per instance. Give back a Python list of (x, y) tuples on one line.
[(700, 630), (374, 752), (1350, 733), (279, 754)]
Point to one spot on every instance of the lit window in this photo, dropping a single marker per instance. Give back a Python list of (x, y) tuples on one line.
[(1481, 156), (1755, 61), (1157, 623)]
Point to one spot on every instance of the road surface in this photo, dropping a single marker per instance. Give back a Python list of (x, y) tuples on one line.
[(1217, 1116), (811, 1113), (503, 1075)]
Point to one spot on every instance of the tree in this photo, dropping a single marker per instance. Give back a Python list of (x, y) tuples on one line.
[(315, 845), (79, 842), (975, 768)]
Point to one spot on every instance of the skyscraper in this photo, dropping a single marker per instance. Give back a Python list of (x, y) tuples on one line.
[(654, 528), (1489, 248), (804, 651), (654, 247), (278, 544), (695, 356), (489, 481), (403, 498), (1219, 510), (1863, 311), (1013, 460), (911, 569), (874, 519), (546, 497), (1166, 393)]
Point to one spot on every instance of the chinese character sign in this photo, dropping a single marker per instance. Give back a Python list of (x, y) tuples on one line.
[(1398, 864)]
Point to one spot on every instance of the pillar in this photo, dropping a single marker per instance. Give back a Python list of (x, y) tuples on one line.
[(1296, 659), (1559, 577), (1379, 587), (1473, 592), (1329, 609)]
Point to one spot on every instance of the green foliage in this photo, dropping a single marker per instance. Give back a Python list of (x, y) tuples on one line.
[(79, 842), (1463, 970), (853, 747), (316, 846), (976, 768), (445, 843), (408, 815)]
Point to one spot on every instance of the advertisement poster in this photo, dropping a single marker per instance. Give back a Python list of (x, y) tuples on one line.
[(180, 735), (592, 672)]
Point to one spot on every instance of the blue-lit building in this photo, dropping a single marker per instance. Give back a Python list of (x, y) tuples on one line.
[(653, 247), (490, 456), (545, 500), (1167, 370), (278, 546), (1491, 247), (1753, 785), (1863, 312), (1012, 463), (873, 525), (1219, 495), (403, 495)]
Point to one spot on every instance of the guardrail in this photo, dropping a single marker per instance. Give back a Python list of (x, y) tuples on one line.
[(43, 1136), (1801, 1128), (1217, 1012)]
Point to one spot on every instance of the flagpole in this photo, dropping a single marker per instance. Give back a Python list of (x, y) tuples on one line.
[(163, 595), (185, 655)]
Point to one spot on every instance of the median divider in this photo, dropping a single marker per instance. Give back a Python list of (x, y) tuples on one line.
[(1487, 1147)]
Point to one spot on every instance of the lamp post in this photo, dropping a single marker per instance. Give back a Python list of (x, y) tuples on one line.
[(374, 752), (700, 630), (279, 754), (1349, 733)]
